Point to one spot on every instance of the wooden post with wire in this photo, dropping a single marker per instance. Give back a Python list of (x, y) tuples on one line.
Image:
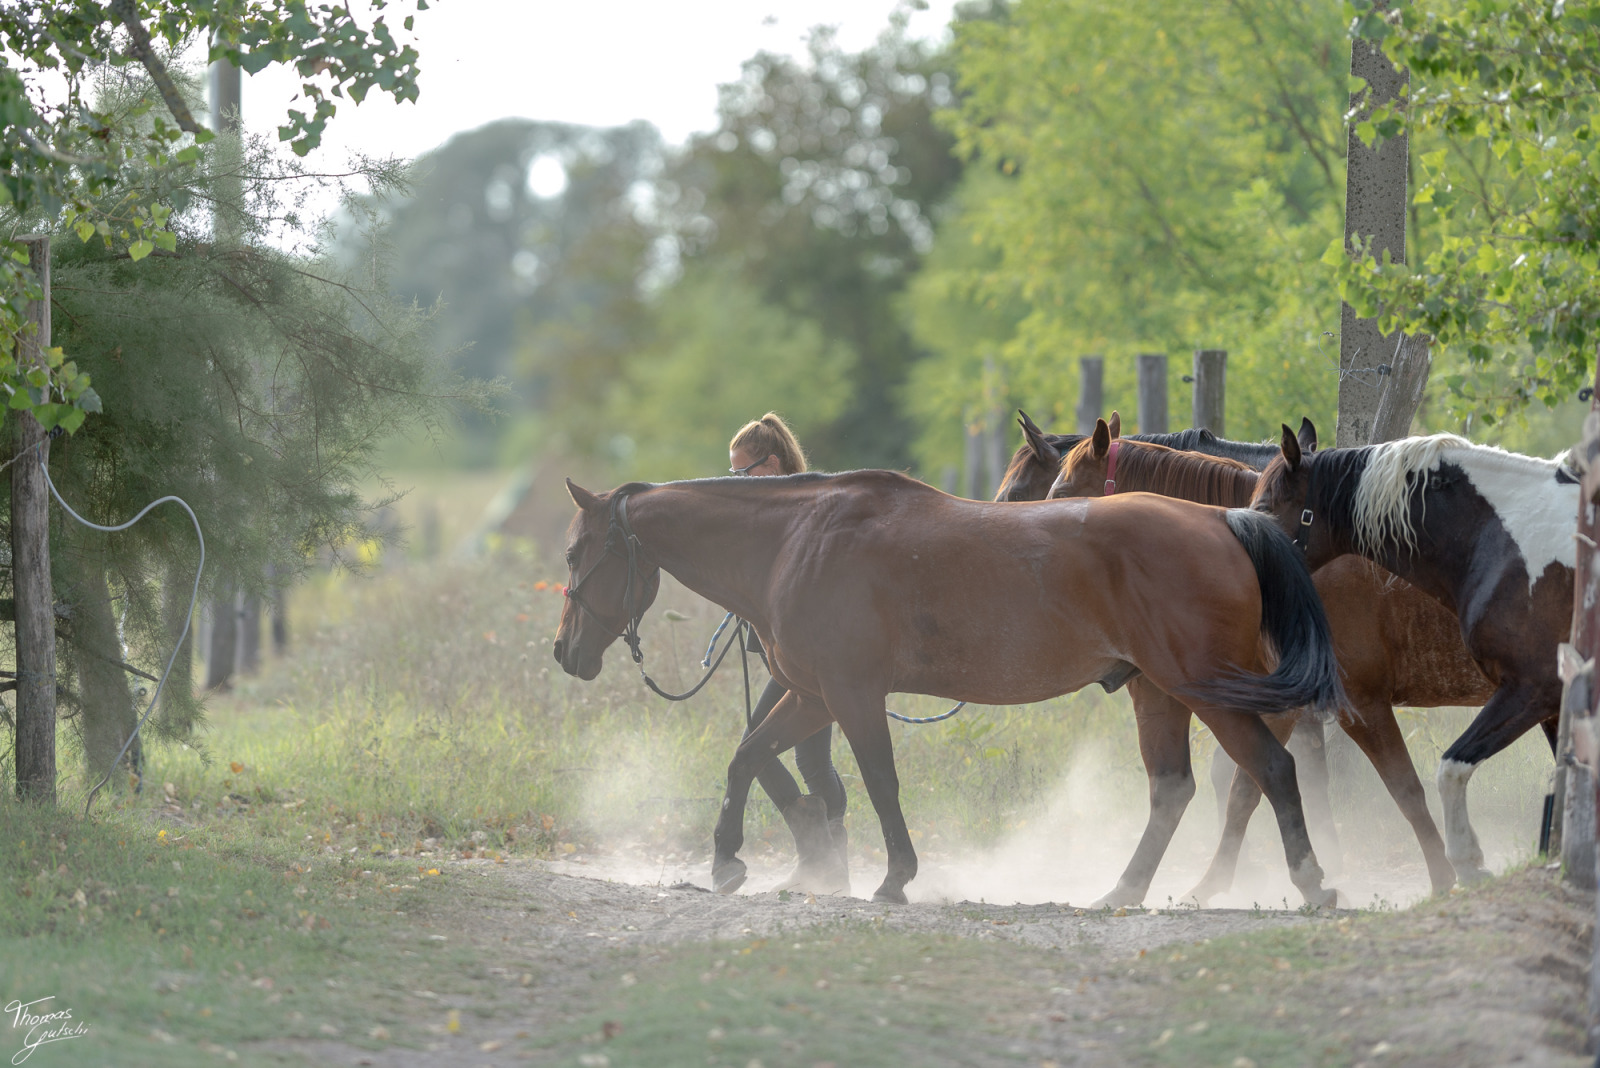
[(30, 562), (1091, 392), (1152, 394), (1210, 389)]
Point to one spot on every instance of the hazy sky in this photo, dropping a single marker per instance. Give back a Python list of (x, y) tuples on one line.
[(602, 62)]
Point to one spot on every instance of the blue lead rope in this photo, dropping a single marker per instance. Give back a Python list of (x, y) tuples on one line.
[(927, 719)]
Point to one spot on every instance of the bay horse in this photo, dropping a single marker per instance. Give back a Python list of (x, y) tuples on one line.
[(1488, 533), (1037, 461), (1395, 644), (869, 582), (1032, 471)]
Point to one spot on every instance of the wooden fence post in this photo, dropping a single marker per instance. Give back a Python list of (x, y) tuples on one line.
[(1402, 389), (1210, 389), (1091, 392), (972, 487), (1152, 394), (30, 566)]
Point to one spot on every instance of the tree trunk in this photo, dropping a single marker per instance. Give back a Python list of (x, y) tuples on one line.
[(109, 713), (179, 690), (247, 660), (221, 644), (1374, 210), (30, 568)]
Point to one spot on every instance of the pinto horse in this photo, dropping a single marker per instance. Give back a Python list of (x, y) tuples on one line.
[(1395, 644), (869, 582), (1488, 533)]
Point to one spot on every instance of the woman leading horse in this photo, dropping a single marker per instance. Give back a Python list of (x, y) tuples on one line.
[(763, 448), (868, 583)]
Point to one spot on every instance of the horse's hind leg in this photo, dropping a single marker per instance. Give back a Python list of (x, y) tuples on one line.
[(795, 718), (866, 728), (1243, 798), (1265, 760), (1308, 746), (1164, 744), (1374, 729), (1513, 710)]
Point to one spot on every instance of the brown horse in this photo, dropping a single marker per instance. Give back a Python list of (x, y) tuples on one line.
[(1395, 644), (1034, 468), (1486, 532), (867, 583)]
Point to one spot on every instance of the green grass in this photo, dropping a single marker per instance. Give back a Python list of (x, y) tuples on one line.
[(420, 719)]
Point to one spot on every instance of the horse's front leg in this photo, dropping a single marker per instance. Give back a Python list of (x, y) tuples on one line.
[(792, 720), (1164, 744)]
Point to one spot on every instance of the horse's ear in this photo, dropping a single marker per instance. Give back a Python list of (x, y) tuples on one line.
[(582, 497), (1100, 440), (1307, 435), (1291, 448), (1043, 451), (1115, 426)]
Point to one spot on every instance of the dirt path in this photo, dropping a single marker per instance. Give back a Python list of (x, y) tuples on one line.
[(530, 964)]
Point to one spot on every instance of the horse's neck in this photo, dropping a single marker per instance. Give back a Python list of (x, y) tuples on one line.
[(722, 550)]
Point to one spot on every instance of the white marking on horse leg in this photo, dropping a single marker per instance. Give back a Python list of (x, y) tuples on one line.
[(1460, 843)]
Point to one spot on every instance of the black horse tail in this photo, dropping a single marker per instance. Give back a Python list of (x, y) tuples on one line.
[(1293, 621)]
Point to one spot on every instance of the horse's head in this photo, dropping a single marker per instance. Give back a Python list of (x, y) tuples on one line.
[(609, 585), (1284, 490), (1087, 465), (1034, 465)]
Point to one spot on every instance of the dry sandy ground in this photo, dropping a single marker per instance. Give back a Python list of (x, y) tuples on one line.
[(1490, 977)]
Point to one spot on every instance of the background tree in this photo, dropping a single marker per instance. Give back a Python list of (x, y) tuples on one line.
[(1510, 285), (1143, 178), (109, 172), (254, 382)]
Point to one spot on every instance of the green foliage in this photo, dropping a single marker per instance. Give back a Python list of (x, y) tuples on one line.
[(1144, 179), (719, 350), (105, 171), (818, 188), (253, 383), (1511, 283)]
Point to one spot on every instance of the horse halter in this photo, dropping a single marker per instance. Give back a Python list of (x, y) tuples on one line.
[(1111, 467), (1302, 533), (617, 529)]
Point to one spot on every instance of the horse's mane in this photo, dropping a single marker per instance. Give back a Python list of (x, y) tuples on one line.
[(1380, 500), (1191, 476)]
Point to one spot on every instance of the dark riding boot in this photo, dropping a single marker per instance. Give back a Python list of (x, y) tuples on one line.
[(841, 846), (819, 870)]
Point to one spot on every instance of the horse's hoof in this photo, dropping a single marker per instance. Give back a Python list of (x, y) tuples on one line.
[(1471, 875), (892, 895), (812, 879), (1200, 897), (727, 875), (1120, 897), (1323, 899)]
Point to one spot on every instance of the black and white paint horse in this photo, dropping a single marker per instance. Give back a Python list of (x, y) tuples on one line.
[(1487, 532)]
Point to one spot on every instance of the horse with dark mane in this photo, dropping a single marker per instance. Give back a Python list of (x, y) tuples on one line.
[(868, 583), (1488, 533), (1395, 644), (1033, 470), (1037, 461)]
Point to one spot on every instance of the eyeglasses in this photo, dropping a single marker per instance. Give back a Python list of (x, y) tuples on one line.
[(747, 468)]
